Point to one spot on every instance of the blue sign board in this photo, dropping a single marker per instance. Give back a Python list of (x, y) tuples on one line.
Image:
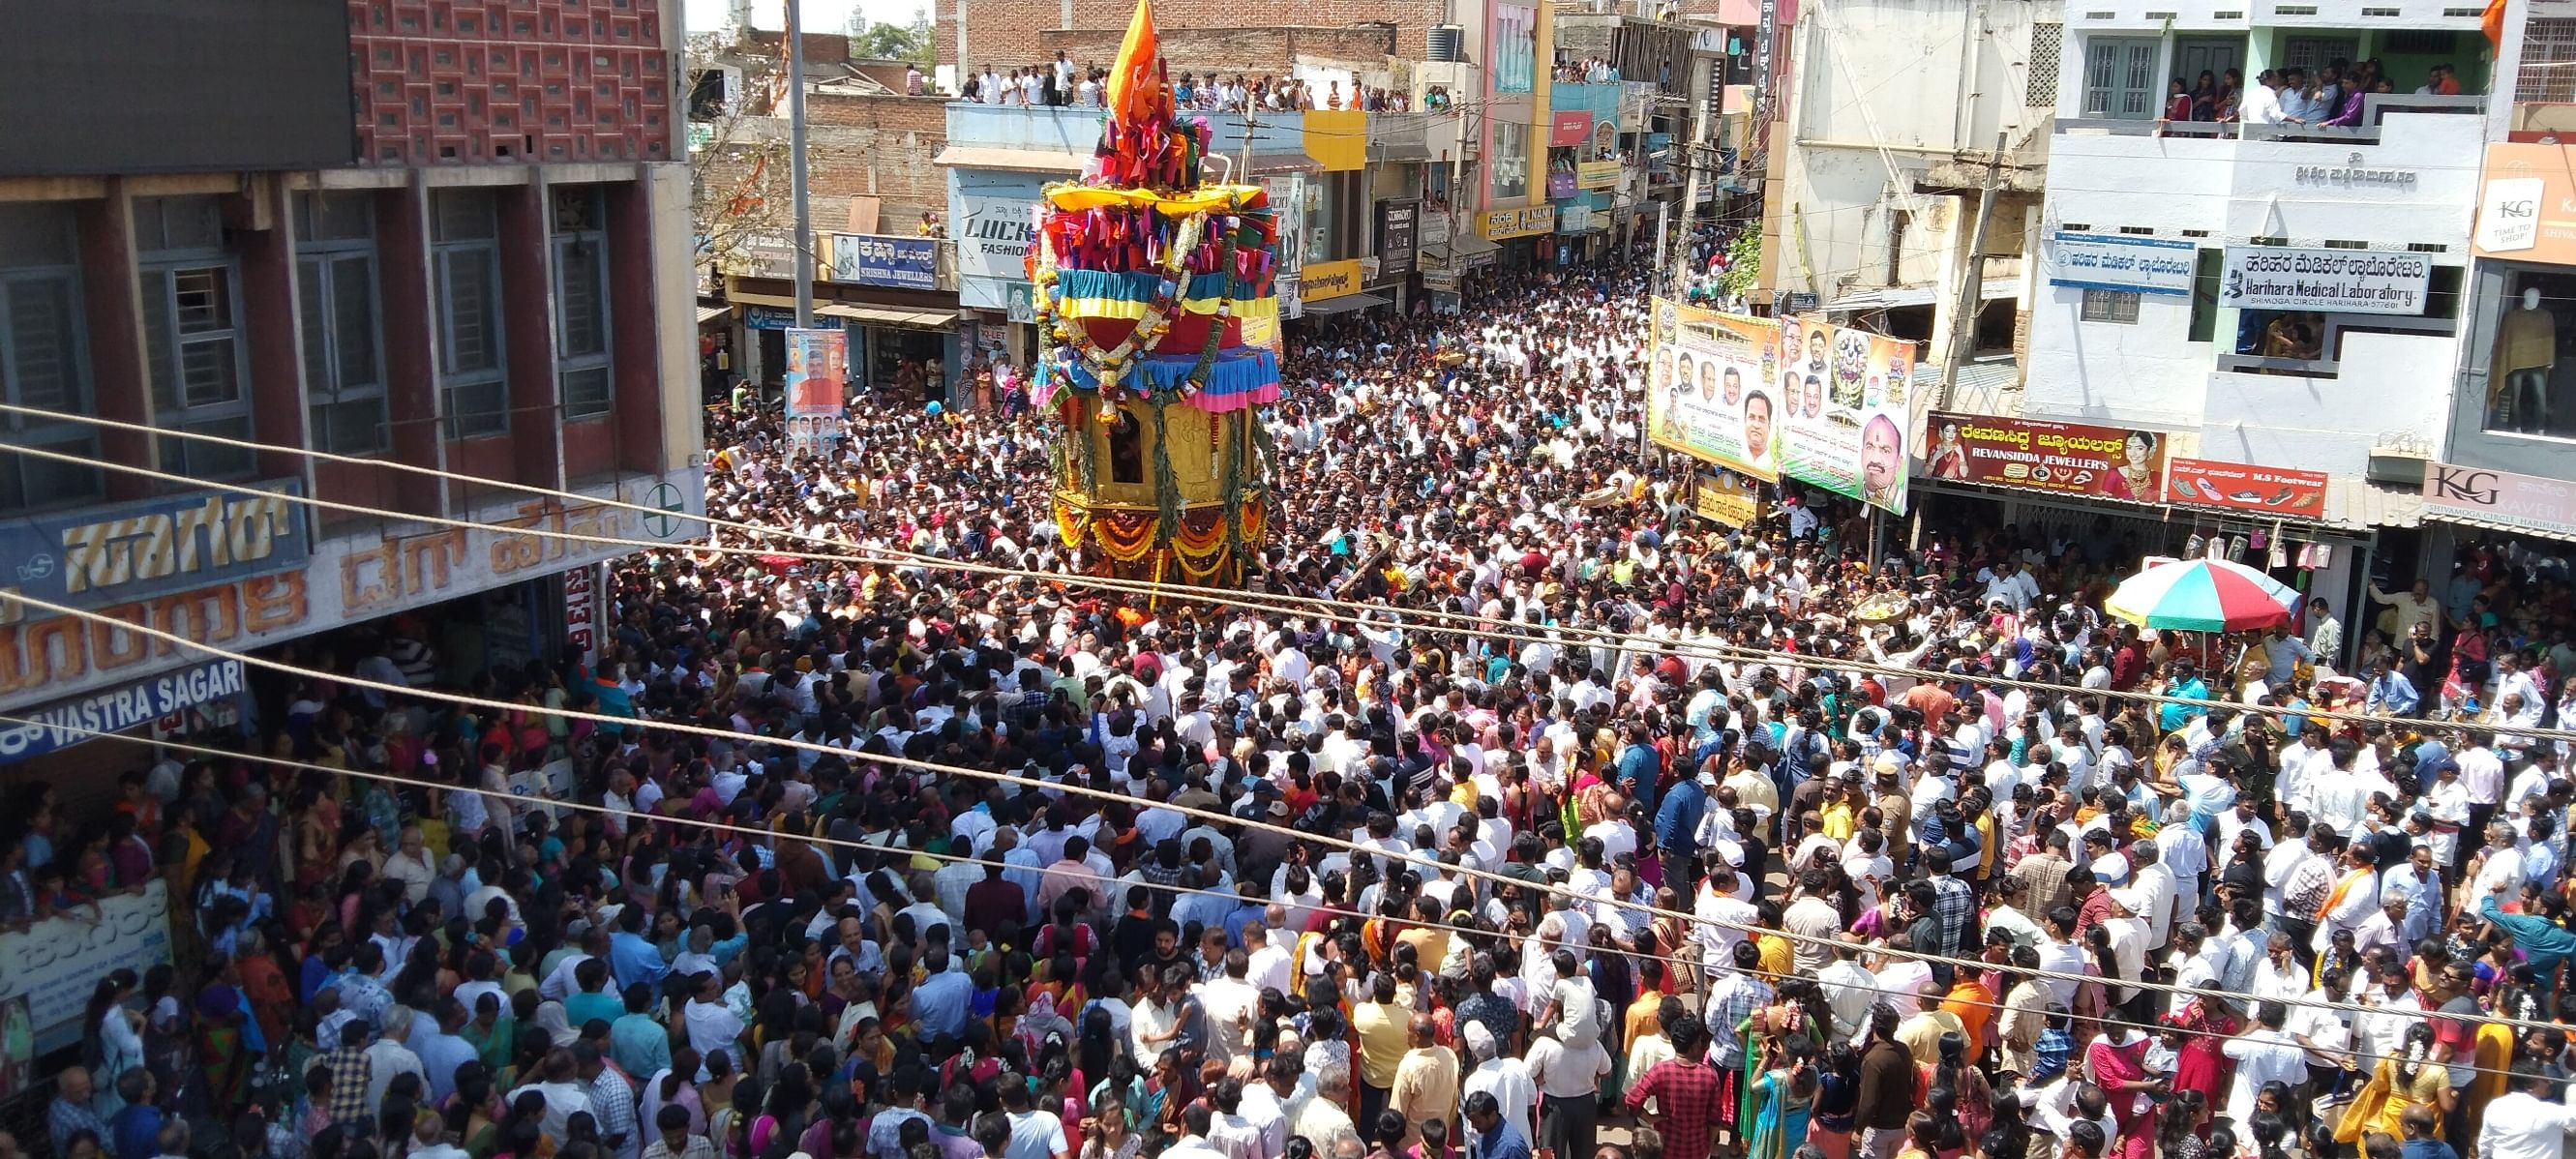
[(117, 710), (101, 556), (904, 263)]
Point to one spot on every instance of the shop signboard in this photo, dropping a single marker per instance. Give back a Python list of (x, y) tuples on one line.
[(52, 965), (1525, 221), (119, 709), (994, 223), (1844, 408), (2030, 455), (146, 548), (585, 609), (1325, 281), (2137, 265), (1596, 176), (2331, 281), (1567, 129), (2543, 506), (2243, 487), (1434, 224), (1726, 499), (904, 263), (2527, 204), (1397, 237)]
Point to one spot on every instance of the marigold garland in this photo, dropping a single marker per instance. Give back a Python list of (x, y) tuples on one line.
[(1126, 536)]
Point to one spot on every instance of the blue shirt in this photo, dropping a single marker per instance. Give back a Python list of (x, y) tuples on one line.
[(1505, 1142), (440, 1055), (633, 958), (639, 1045), (941, 1004), (2393, 693), (1638, 767), (1677, 818), (138, 1132)]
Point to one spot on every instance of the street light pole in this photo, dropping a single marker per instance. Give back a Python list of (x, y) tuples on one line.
[(802, 246)]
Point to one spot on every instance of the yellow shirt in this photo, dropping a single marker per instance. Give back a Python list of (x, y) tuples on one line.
[(1838, 821), (1382, 1027), (1778, 960)]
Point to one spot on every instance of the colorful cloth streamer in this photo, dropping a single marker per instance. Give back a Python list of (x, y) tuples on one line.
[(1087, 294), (1243, 377)]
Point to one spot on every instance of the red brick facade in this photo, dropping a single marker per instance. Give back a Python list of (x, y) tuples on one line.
[(511, 81), (1256, 51), (1007, 34)]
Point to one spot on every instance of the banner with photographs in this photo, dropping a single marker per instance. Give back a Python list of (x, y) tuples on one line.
[(1843, 409), (1709, 396)]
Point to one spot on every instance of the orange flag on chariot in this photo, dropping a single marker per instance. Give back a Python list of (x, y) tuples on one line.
[(1134, 81)]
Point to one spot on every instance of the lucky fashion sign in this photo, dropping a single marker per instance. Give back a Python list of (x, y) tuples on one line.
[(2329, 281)]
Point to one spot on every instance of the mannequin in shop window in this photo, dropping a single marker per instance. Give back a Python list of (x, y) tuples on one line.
[(2518, 383)]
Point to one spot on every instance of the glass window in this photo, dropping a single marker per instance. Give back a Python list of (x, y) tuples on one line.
[(2115, 306), (2120, 78), (473, 393), (582, 365), (1510, 163), (44, 358), (2531, 387), (196, 356), (343, 342)]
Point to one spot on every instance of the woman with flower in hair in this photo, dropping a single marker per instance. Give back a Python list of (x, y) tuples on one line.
[(2407, 1080)]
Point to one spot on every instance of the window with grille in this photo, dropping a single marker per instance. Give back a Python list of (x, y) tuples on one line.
[(344, 382), (2047, 43), (194, 348), (581, 302), (2548, 72), (2120, 78), (473, 392), (2316, 52), (2119, 307), (44, 359)]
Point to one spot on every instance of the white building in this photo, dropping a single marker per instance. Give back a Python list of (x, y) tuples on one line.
[(2316, 384), (1891, 114)]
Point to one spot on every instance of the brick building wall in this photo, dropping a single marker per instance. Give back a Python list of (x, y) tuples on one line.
[(878, 147), (1227, 50), (511, 81), (1006, 34)]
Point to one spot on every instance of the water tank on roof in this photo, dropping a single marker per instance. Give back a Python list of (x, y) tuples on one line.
[(1447, 44)]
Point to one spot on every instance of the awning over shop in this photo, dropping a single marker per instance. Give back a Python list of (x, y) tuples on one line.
[(1346, 303), (1465, 250), (1022, 160), (2354, 504), (708, 314), (1408, 151), (1890, 298), (1284, 163), (905, 316)]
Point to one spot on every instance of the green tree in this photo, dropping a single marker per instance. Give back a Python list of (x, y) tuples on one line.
[(879, 40)]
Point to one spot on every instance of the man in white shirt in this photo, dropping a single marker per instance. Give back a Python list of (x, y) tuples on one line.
[(2523, 1123), (2268, 1054), (2261, 105)]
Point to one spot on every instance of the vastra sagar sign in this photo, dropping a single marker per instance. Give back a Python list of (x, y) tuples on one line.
[(133, 550)]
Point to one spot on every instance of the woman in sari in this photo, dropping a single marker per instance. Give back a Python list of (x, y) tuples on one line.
[(2206, 1025), (1781, 1099), (227, 1041), (2397, 1085)]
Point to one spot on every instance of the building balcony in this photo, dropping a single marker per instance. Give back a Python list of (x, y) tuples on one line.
[(2374, 113)]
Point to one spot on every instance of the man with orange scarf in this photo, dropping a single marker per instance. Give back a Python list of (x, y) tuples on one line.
[(2353, 899)]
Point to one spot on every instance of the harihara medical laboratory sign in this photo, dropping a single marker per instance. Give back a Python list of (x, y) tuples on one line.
[(2329, 281)]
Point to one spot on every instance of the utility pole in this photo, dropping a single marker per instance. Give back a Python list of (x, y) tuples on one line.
[(1696, 154), (1963, 314), (803, 247)]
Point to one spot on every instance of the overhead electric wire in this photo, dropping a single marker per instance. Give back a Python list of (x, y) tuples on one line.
[(1997, 1003), (1280, 604), (349, 681)]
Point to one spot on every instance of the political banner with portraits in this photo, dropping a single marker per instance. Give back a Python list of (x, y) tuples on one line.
[(1844, 398), (1707, 395)]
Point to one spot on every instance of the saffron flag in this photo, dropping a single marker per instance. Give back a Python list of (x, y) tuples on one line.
[(2491, 22), (1133, 81)]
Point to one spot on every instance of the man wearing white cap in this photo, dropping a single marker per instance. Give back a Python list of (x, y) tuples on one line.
[(1505, 1078)]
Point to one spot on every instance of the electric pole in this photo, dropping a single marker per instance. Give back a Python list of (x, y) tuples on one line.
[(803, 248), (1963, 314), (1695, 155)]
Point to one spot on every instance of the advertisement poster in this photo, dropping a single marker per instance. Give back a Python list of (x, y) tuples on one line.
[(1726, 499), (2211, 483), (906, 263), (52, 965), (817, 374), (1843, 417), (1709, 397), (2066, 458), (1566, 130), (1396, 236), (1597, 176), (2331, 281)]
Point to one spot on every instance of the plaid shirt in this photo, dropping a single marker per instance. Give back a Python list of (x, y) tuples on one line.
[(2054, 1045), (351, 1073), (612, 1104), (1954, 905), (2310, 883), (1734, 1000), (1686, 1094)]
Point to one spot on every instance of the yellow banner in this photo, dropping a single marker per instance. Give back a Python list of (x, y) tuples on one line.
[(1323, 281), (1526, 221), (1726, 500), (1597, 175), (1337, 139), (1709, 395)]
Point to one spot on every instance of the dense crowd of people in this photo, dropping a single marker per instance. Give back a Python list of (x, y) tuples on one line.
[(1679, 855)]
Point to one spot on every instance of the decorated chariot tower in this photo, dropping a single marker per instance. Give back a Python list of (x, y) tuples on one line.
[(1148, 277)]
